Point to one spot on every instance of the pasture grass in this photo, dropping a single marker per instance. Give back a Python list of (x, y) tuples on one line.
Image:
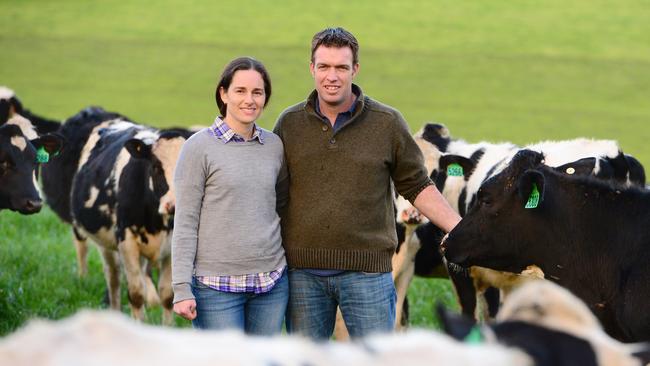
[(38, 276), (519, 71)]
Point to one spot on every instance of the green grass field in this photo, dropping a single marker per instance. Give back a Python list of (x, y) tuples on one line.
[(519, 71)]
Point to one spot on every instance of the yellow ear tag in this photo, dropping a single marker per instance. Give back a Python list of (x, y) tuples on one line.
[(533, 199), (454, 170)]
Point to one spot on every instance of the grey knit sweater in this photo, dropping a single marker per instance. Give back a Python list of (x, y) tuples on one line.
[(226, 220)]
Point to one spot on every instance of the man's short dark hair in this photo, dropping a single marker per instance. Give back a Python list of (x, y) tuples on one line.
[(335, 37)]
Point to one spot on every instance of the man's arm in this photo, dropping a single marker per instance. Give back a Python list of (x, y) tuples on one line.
[(434, 206)]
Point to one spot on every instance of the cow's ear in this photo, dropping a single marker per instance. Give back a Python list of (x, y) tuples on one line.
[(52, 143), (455, 325), (138, 149), (579, 167), (531, 188), (5, 111), (456, 165)]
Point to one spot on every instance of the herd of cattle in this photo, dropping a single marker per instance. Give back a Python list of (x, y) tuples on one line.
[(572, 212)]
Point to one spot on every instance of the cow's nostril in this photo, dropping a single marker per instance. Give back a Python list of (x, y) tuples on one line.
[(170, 207), (33, 205)]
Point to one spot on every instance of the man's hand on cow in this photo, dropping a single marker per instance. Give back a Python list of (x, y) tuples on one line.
[(186, 309)]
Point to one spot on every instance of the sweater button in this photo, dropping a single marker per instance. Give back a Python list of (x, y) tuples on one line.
[(325, 128), (332, 141)]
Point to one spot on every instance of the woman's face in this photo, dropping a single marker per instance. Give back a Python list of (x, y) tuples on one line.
[(245, 97)]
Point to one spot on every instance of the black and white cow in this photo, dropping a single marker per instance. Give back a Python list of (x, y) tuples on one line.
[(121, 196), (551, 325), (586, 234), (18, 164), (545, 326), (479, 161), (10, 106)]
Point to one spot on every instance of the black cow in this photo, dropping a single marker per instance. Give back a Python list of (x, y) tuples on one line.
[(479, 161), (18, 165), (115, 187), (586, 234), (10, 106)]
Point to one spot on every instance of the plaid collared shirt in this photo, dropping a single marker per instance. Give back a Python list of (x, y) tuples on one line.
[(223, 132), (256, 282)]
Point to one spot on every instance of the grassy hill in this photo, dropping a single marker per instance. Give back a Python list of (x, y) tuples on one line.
[(519, 71)]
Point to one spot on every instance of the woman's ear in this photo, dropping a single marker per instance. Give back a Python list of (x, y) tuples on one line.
[(223, 94)]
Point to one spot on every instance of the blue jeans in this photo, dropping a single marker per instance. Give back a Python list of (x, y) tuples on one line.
[(258, 314), (367, 303)]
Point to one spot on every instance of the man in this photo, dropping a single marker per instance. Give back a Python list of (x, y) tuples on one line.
[(343, 149)]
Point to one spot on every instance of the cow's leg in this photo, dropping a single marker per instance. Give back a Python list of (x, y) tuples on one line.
[(404, 270), (165, 289), (81, 246), (130, 254), (151, 294), (492, 298), (465, 291), (111, 261)]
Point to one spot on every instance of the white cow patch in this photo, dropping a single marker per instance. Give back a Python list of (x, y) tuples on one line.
[(25, 126), (19, 142), (94, 192), (167, 151), (94, 338), (6, 93)]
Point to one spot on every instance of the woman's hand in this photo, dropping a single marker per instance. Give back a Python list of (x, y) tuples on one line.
[(186, 309)]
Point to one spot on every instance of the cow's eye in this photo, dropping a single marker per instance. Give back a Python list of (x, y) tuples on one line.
[(4, 166), (484, 200)]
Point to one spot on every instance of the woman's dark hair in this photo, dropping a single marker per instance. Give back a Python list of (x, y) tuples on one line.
[(241, 63)]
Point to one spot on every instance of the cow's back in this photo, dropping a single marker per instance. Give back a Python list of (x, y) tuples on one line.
[(58, 174), (94, 194)]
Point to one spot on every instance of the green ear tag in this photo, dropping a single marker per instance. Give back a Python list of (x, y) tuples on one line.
[(533, 200), (474, 336), (42, 156), (454, 170)]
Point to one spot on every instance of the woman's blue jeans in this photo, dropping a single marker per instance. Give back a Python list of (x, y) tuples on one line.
[(258, 314)]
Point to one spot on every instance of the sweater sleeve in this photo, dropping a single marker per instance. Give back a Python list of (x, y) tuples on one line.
[(408, 171), (189, 182), (282, 189)]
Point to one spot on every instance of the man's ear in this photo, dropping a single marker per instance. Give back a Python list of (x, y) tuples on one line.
[(466, 164), (355, 69), (138, 149), (531, 188), (51, 142), (312, 68), (455, 325)]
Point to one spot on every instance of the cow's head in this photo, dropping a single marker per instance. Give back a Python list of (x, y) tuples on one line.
[(18, 162), (490, 234), (162, 155)]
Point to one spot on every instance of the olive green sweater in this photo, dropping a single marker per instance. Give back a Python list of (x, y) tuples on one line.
[(340, 213)]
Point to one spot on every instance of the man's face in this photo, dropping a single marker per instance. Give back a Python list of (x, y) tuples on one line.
[(333, 71)]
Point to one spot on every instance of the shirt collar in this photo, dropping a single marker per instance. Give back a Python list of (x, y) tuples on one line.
[(223, 132), (349, 111)]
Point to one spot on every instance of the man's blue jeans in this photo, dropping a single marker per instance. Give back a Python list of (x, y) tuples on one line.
[(259, 314), (367, 302)]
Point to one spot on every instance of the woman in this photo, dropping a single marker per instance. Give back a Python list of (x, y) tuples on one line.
[(228, 264)]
